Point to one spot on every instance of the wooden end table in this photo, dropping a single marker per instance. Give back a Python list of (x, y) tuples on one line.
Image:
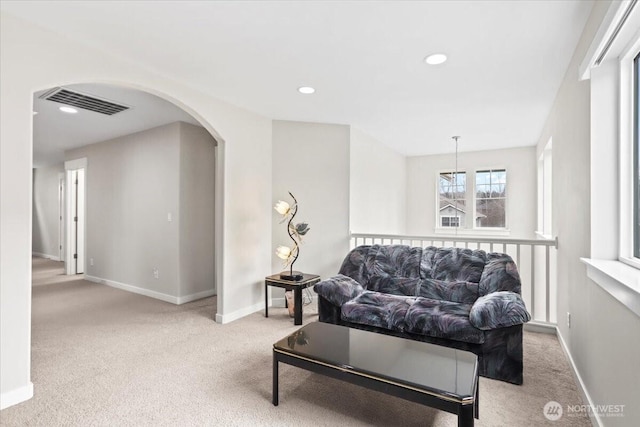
[(290, 285)]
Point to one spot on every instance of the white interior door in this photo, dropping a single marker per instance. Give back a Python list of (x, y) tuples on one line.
[(80, 221), (61, 221), (75, 221)]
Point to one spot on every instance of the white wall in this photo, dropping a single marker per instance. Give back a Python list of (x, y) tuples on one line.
[(378, 177), (603, 337), (132, 185), (196, 198), (520, 163), (33, 59), (312, 161), (46, 211)]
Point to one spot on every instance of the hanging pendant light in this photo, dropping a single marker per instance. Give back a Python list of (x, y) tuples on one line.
[(455, 185)]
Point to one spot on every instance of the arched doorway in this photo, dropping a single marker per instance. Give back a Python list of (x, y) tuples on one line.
[(116, 173)]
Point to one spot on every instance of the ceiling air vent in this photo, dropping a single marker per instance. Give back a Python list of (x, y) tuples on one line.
[(80, 100)]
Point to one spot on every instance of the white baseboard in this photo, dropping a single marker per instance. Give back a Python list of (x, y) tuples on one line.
[(595, 419), (230, 317), (275, 302), (46, 256), (149, 292), (14, 397), (196, 296), (134, 289), (540, 327)]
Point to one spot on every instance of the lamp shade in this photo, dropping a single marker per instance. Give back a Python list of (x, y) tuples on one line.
[(283, 252), (282, 207)]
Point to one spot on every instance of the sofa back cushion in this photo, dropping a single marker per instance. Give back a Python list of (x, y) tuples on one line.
[(499, 274), (461, 292), (458, 264), (354, 265), (427, 262), (368, 264), (395, 261)]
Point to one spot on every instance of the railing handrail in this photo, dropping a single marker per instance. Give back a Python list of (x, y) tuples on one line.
[(446, 238)]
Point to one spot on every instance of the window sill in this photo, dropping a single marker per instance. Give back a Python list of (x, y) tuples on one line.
[(472, 232), (617, 278)]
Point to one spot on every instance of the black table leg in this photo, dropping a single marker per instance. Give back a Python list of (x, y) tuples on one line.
[(266, 300), (275, 379), (297, 306), (465, 415), (476, 404)]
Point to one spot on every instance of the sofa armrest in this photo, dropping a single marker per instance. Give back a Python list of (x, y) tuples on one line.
[(498, 310), (338, 289)]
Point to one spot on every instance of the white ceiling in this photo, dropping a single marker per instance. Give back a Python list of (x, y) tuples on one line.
[(365, 59), (55, 131)]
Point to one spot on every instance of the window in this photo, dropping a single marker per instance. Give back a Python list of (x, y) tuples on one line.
[(636, 158), (486, 208), (452, 188), (612, 63), (491, 197), (450, 221)]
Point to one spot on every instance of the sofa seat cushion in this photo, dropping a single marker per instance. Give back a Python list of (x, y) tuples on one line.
[(464, 292), (442, 319), (378, 309)]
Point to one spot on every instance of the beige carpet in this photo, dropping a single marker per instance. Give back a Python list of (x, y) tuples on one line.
[(105, 357)]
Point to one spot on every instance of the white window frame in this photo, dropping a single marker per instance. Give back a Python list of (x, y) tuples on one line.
[(438, 223), (611, 265), (627, 134), (470, 198), (545, 194), (506, 199)]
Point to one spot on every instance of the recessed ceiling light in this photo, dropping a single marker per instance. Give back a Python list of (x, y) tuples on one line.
[(435, 59), (68, 110), (307, 90)]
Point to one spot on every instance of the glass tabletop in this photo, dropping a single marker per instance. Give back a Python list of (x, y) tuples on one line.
[(443, 370)]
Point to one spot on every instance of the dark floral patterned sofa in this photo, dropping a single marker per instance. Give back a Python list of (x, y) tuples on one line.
[(461, 298)]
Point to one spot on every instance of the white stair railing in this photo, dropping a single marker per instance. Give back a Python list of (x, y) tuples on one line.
[(535, 258)]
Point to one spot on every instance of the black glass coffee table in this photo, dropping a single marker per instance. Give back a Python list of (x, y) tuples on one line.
[(435, 376)]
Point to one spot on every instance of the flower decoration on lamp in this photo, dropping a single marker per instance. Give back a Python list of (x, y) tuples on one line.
[(296, 231)]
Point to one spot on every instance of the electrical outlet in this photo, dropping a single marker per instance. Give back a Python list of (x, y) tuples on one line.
[(568, 319), (90, 261), (156, 273)]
